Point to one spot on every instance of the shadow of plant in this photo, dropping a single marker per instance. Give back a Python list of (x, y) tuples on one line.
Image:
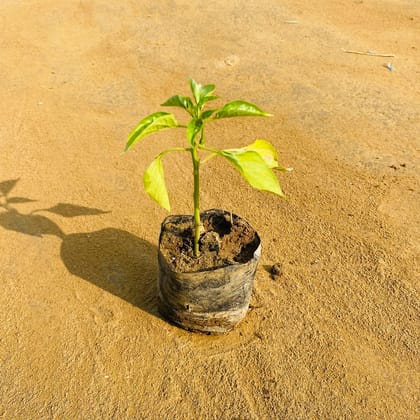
[(116, 261), (113, 259)]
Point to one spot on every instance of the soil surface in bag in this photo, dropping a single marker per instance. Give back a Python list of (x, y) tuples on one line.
[(223, 241)]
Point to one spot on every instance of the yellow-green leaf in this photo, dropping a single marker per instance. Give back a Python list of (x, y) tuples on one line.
[(154, 183), (254, 169), (266, 150)]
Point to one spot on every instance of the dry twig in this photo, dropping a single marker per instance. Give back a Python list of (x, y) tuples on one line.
[(372, 53)]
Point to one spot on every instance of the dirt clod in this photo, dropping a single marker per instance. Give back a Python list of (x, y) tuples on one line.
[(276, 271)]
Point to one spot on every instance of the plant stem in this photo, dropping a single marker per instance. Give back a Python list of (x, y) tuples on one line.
[(196, 173)]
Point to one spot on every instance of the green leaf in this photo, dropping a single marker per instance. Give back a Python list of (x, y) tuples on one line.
[(206, 99), (193, 128), (207, 90), (254, 169), (180, 101), (202, 94), (240, 109), (207, 114), (154, 183), (195, 89), (152, 123)]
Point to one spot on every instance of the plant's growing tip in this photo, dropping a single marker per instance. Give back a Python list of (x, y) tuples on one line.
[(254, 162)]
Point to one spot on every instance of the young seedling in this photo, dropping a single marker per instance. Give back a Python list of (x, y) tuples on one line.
[(255, 162)]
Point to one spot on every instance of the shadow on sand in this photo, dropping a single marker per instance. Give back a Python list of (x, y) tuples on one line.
[(113, 259)]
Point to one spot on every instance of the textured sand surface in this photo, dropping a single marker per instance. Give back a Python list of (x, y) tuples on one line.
[(336, 335)]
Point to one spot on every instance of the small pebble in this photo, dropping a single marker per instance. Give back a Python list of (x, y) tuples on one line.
[(232, 60), (389, 66)]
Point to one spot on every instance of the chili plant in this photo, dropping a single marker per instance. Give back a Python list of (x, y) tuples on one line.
[(255, 162)]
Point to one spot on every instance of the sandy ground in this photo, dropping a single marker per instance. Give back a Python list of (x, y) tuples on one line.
[(336, 336)]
